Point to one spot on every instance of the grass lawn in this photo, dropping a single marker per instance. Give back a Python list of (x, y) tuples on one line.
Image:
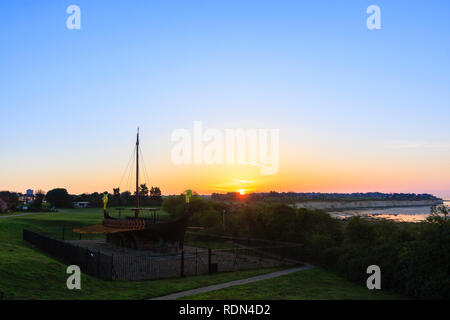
[(2, 214), (27, 273), (312, 284)]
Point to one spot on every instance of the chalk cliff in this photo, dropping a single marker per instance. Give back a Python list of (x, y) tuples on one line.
[(341, 205)]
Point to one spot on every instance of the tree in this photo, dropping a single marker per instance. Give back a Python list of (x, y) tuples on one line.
[(155, 196), (436, 213), (116, 197), (126, 198), (96, 199), (59, 198), (155, 192), (3, 206), (10, 198), (143, 190), (39, 198)]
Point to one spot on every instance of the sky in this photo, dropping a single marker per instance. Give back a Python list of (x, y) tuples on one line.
[(357, 110)]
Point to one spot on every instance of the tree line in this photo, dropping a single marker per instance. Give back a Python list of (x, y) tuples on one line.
[(293, 197), (414, 257), (60, 198)]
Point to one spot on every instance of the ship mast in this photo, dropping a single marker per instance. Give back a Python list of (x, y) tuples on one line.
[(136, 212)]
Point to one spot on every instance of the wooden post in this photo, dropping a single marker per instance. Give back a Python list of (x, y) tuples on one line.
[(98, 264), (182, 264), (209, 260), (112, 266)]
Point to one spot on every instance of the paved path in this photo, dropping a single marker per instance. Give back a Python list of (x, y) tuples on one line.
[(219, 286), (18, 215), (26, 214)]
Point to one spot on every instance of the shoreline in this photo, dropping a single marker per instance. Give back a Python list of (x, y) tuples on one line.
[(376, 208), (365, 204)]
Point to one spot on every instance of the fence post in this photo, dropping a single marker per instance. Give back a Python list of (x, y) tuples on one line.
[(112, 266), (63, 232), (98, 264), (209, 260), (182, 264)]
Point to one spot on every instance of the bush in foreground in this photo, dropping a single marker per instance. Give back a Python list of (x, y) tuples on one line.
[(414, 257)]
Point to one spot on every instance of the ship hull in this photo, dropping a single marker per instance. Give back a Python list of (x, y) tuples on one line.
[(150, 236)]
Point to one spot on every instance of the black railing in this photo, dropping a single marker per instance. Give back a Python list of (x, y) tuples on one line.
[(92, 262), (129, 264)]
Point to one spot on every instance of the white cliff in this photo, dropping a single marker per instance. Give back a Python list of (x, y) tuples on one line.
[(341, 205)]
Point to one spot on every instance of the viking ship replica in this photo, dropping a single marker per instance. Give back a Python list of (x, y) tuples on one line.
[(138, 232)]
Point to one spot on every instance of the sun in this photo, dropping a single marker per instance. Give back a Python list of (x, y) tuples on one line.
[(241, 192)]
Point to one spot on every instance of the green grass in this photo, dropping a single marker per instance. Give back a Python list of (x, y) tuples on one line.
[(10, 213), (51, 223), (27, 273), (312, 284)]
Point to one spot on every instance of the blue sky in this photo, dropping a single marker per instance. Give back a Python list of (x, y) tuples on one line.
[(71, 99)]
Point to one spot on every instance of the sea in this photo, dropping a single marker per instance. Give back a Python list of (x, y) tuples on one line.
[(400, 214)]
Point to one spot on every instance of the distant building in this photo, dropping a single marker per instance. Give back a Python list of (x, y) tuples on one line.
[(26, 198), (84, 204)]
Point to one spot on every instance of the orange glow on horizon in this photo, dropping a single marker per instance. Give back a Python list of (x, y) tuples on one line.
[(311, 170)]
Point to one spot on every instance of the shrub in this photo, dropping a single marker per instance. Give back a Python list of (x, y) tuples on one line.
[(3, 206), (414, 258)]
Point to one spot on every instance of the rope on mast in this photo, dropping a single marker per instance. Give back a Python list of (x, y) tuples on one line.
[(146, 176), (126, 168), (130, 173)]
